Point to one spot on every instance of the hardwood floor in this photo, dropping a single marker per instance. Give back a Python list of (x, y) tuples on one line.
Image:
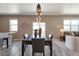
[(15, 50), (59, 49)]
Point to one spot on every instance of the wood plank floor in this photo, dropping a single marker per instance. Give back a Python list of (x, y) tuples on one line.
[(15, 50), (59, 49)]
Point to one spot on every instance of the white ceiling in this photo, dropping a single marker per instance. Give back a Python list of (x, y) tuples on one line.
[(47, 8)]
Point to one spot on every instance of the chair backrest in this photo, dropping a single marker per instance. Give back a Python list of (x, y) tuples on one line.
[(51, 36), (38, 44), (1, 42), (25, 36)]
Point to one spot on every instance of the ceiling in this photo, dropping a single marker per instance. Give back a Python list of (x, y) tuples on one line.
[(46, 8)]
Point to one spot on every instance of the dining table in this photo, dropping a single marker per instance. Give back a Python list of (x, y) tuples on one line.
[(28, 41)]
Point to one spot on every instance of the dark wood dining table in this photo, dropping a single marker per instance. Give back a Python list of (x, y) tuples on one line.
[(28, 41)]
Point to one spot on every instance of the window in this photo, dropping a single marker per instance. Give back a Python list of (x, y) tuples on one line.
[(71, 25), (13, 25), (66, 25), (39, 25), (74, 25)]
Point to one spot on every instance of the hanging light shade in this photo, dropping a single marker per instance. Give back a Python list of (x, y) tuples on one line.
[(38, 7), (38, 10)]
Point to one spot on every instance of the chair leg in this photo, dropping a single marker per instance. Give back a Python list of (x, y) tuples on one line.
[(43, 53), (26, 45), (32, 53)]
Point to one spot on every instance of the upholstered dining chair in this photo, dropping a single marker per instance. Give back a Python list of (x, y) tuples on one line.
[(1, 43), (50, 36), (38, 45), (25, 36)]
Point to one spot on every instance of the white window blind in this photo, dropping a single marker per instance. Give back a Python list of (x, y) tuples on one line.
[(66, 25), (13, 25), (71, 25)]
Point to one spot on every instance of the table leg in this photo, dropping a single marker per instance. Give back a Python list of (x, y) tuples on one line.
[(23, 48), (51, 48), (7, 42)]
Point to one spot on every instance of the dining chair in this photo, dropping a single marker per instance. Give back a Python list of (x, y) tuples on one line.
[(50, 36), (38, 45), (1, 43), (25, 36)]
